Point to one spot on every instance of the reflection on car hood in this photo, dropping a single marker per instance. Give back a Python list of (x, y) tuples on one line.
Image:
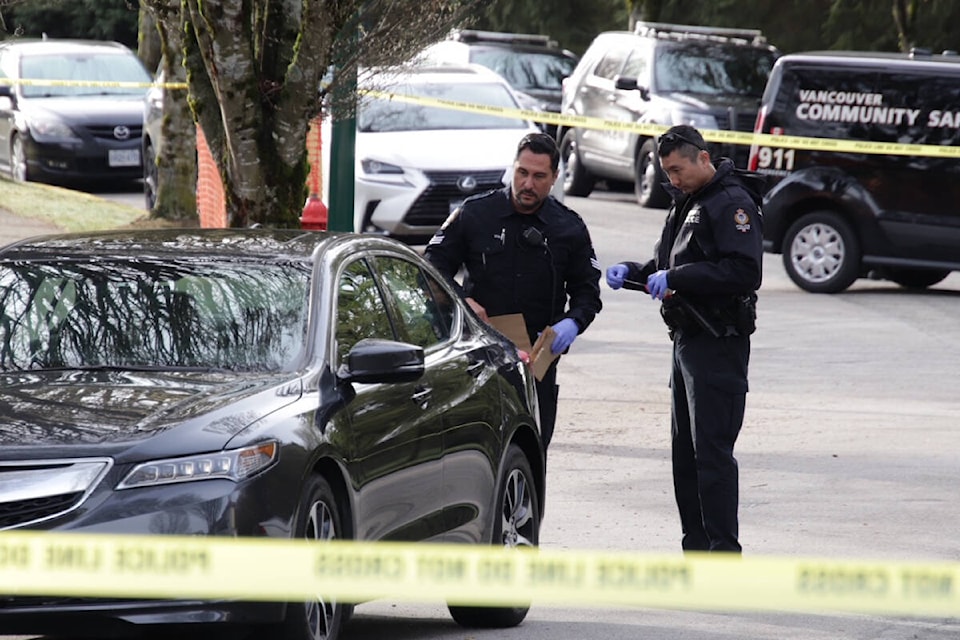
[(114, 109), (448, 150), (77, 408)]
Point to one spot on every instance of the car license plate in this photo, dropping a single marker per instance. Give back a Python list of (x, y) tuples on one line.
[(123, 157)]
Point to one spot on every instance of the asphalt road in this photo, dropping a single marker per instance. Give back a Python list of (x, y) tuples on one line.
[(849, 449)]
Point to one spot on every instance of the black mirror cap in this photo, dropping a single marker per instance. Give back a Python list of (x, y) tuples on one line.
[(629, 83), (625, 83), (382, 361)]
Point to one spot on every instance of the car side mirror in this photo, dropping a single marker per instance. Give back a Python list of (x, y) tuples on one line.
[(382, 361), (629, 83)]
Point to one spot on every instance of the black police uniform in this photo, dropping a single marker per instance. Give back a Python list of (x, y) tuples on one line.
[(712, 246), (523, 263)]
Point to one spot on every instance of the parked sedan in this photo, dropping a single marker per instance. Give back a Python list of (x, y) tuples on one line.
[(70, 110), (263, 383)]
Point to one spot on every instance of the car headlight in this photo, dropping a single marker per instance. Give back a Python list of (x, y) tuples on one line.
[(376, 167), (382, 171), (694, 119), (232, 465), (46, 129)]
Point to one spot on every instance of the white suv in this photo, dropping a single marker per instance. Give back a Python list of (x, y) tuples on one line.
[(415, 163)]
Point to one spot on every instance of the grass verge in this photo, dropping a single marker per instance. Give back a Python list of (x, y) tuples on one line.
[(66, 209)]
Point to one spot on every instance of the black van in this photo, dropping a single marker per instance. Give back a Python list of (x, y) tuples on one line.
[(838, 216)]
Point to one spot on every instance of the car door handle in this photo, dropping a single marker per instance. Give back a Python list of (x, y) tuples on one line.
[(476, 368), (421, 394)]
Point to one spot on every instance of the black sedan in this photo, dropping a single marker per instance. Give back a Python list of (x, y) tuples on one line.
[(254, 383), (71, 111)]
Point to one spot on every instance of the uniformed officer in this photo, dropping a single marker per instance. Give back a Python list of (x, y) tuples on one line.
[(526, 253), (706, 270)]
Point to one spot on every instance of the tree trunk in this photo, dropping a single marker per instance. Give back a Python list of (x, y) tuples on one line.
[(254, 69), (177, 157), (646, 11), (148, 39), (254, 87), (904, 16)]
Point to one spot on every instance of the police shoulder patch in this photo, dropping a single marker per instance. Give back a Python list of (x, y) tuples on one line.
[(742, 220)]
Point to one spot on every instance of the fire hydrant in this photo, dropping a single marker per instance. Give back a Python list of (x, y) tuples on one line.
[(315, 215)]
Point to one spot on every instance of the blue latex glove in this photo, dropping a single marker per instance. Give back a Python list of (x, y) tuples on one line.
[(567, 330), (616, 274), (657, 284)]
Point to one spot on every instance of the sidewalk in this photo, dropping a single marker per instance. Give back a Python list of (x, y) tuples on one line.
[(13, 228)]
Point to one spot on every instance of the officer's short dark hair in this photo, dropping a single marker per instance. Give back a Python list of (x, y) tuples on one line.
[(681, 137), (541, 143)]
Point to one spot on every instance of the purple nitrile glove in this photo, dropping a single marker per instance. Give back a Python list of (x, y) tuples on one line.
[(657, 284), (567, 331), (616, 274)]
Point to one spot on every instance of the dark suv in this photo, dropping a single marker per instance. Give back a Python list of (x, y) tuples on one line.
[(840, 215), (534, 65), (662, 74)]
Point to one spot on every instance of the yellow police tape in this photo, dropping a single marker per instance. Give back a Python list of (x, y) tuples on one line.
[(710, 135), (97, 565), (585, 122), (91, 83)]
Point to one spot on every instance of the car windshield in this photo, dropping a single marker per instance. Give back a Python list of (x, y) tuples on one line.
[(148, 314), (714, 69), (526, 70), (381, 114), (56, 75)]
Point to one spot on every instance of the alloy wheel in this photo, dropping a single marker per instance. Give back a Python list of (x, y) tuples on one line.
[(519, 522), (18, 160), (321, 527)]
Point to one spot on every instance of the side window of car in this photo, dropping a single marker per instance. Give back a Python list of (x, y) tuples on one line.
[(636, 66), (361, 310), (609, 65), (425, 310)]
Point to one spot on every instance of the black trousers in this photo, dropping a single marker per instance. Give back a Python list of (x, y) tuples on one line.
[(709, 386), (547, 393)]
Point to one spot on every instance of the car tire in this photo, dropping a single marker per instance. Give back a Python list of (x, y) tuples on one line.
[(915, 278), (18, 160), (517, 525), (648, 178), (577, 181), (150, 175), (821, 253), (318, 519)]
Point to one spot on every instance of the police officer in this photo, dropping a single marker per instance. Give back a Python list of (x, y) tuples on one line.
[(706, 270), (526, 253)]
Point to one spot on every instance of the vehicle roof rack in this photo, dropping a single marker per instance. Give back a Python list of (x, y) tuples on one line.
[(474, 35), (654, 29)]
